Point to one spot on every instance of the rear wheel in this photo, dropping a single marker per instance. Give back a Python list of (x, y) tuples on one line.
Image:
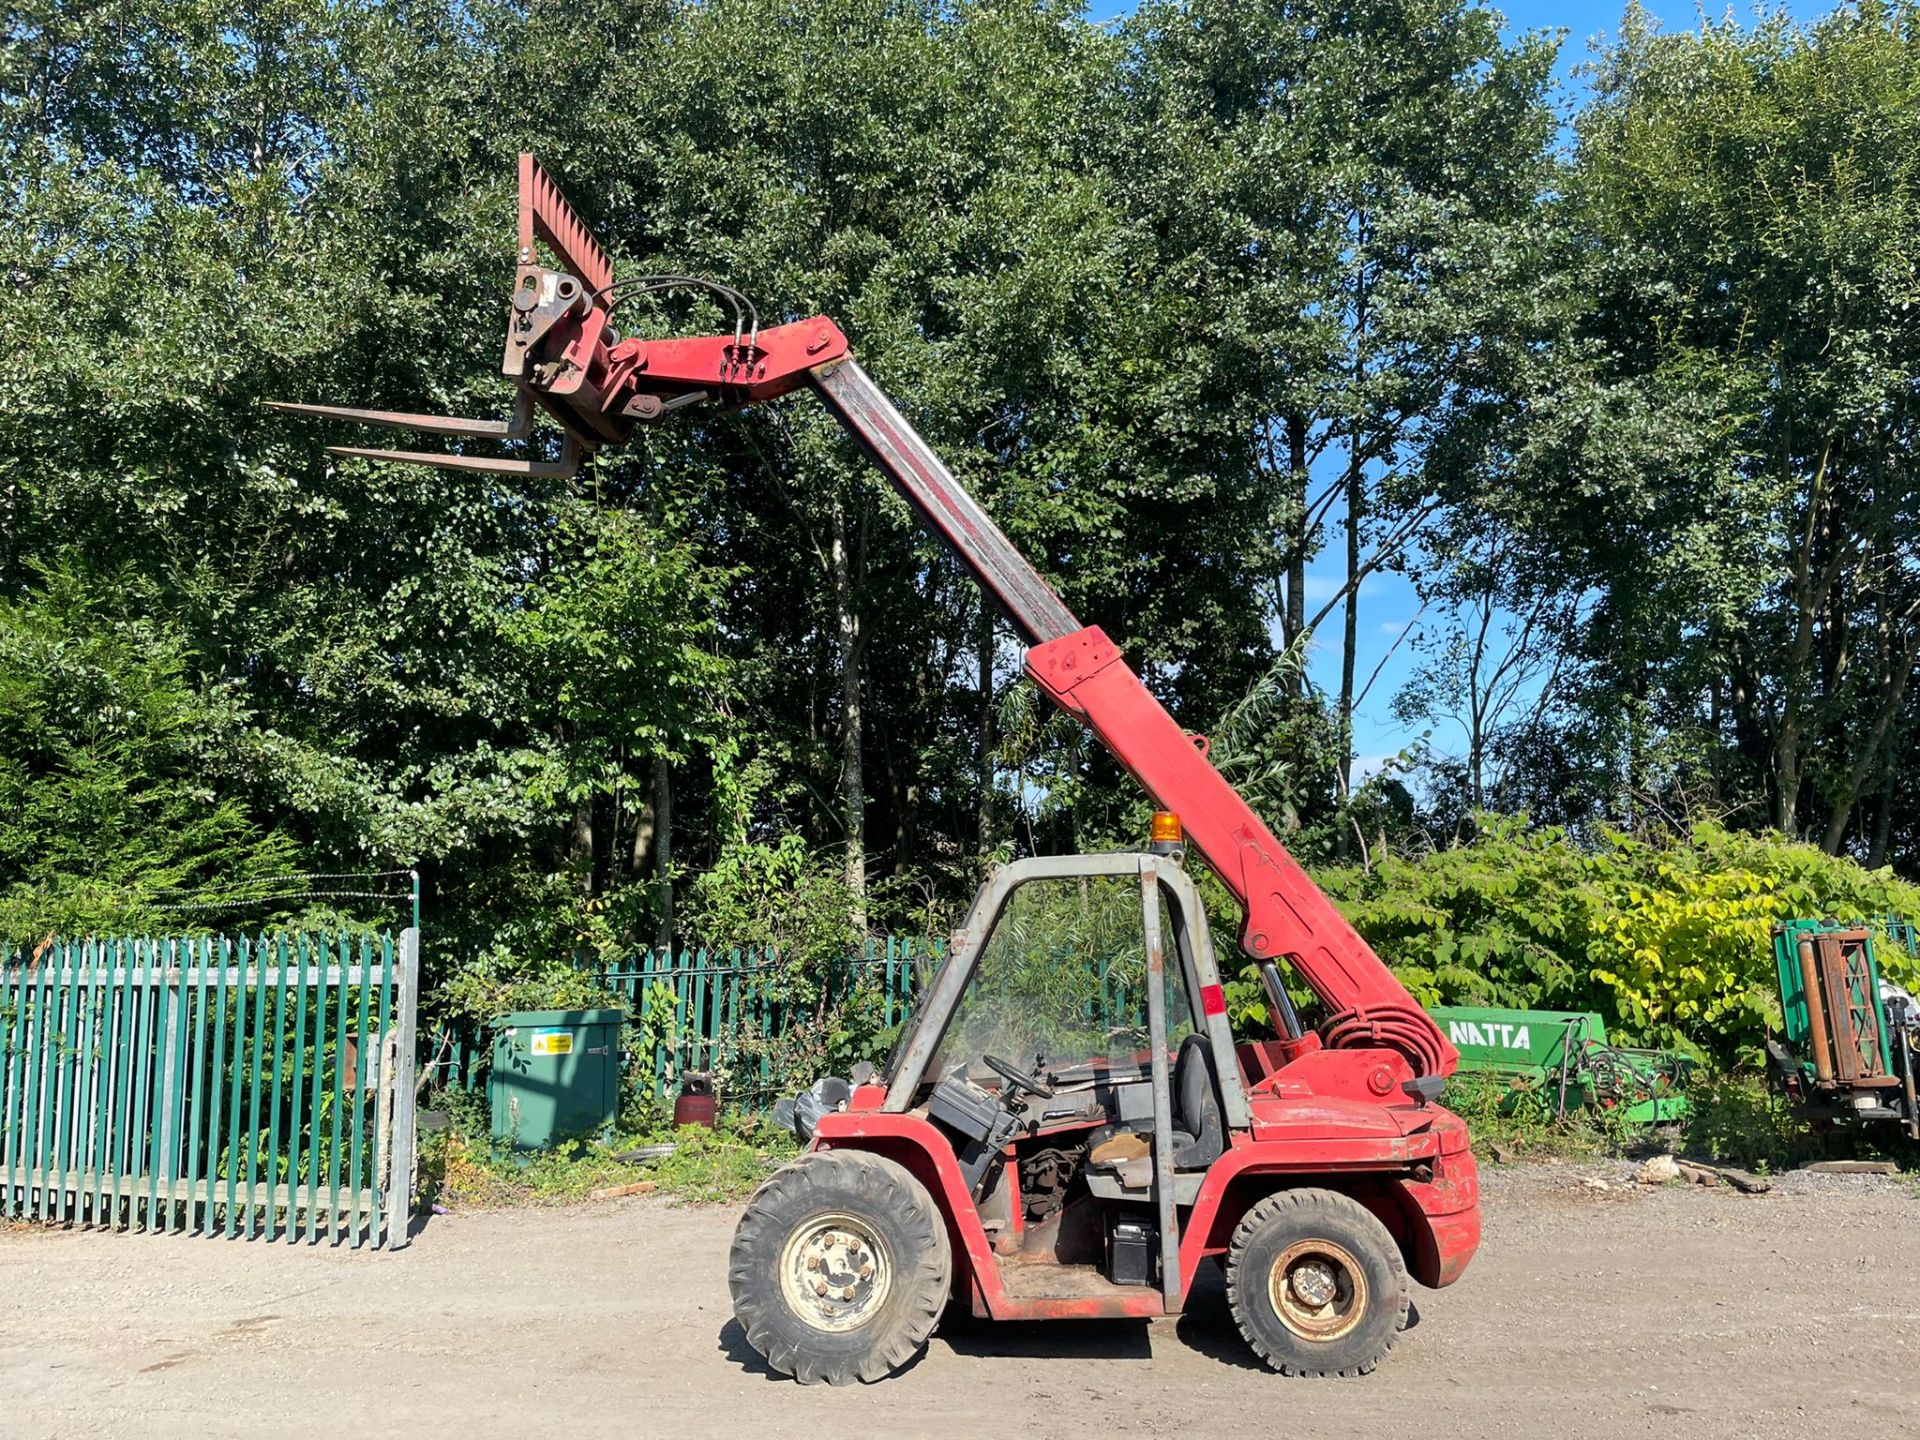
[(840, 1267), (1316, 1284)]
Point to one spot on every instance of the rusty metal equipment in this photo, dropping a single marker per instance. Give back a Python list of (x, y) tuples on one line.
[(1316, 1164), (1850, 1042)]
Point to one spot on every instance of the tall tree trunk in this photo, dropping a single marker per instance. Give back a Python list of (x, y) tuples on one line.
[(580, 843), (1882, 823), (643, 825), (983, 682), (662, 838), (1809, 589), (1295, 619), (1356, 493), (1895, 679), (1356, 498), (852, 776), (1476, 757), (1716, 752), (1786, 766), (1350, 636)]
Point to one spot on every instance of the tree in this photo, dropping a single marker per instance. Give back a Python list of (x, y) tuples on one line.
[(1491, 670), (1725, 455), (118, 769), (1349, 181), (279, 202)]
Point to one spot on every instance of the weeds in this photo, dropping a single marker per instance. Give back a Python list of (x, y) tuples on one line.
[(461, 1169), (1732, 1118), (1737, 1119), (1522, 1122)]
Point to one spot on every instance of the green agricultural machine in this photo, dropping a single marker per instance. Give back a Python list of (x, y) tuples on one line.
[(1565, 1058), (1850, 1041)]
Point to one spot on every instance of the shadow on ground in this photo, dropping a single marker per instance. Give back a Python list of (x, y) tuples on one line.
[(964, 1334), (1205, 1326), (732, 1343)]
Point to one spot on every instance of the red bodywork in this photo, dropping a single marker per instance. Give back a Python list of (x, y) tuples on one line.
[(1410, 1165)]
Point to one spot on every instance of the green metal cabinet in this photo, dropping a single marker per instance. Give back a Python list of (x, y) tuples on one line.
[(555, 1075)]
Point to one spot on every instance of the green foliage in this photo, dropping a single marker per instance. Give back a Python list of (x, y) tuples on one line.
[(780, 896), (1522, 1122), (1738, 1119), (793, 911), (820, 1031), (117, 766), (458, 1169), (1715, 450), (1279, 746), (1667, 937), (493, 983)]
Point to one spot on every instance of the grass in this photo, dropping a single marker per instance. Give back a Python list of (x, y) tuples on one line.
[(461, 1169), (1733, 1118), (1521, 1123)]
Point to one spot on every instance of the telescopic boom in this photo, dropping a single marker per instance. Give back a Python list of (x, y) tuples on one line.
[(566, 358)]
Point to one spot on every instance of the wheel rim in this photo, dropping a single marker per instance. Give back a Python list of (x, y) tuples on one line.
[(1318, 1289), (835, 1272)]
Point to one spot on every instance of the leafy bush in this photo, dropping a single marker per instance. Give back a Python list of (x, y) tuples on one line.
[(116, 766), (1735, 1118), (494, 983), (1667, 937), (1514, 1118)]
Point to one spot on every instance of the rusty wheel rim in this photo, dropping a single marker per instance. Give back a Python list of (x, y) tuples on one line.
[(1318, 1290), (835, 1272)]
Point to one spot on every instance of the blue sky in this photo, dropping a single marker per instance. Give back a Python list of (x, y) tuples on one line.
[(1389, 605)]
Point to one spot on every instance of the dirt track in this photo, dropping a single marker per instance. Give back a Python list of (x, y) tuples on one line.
[(1672, 1313)]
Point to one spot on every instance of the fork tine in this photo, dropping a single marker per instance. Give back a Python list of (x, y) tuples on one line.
[(514, 429), (567, 465)]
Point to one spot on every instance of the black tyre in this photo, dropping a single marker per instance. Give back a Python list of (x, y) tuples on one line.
[(840, 1268), (1316, 1284)]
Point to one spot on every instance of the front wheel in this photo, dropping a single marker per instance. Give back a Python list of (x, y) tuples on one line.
[(840, 1267), (1316, 1284)]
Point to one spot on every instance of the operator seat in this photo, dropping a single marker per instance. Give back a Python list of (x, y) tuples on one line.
[(1198, 1135)]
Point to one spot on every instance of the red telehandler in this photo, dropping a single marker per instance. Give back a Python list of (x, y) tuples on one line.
[(1065, 1129)]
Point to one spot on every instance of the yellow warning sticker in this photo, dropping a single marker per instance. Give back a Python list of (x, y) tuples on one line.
[(552, 1042)]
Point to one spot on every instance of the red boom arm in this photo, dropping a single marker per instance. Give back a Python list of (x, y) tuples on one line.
[(565, 356), (1286, 913)]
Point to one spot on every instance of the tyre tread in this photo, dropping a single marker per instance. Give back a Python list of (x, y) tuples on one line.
[(1286, 1203), (848, 1178)]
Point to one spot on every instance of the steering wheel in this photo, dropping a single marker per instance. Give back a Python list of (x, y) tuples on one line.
[(1019, 1079)]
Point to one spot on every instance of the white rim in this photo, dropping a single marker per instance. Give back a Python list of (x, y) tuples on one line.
[(835, 1272)]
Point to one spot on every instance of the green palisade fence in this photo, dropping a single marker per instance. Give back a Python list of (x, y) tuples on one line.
[(724, 1010), (252, 1086), (730, 1012)]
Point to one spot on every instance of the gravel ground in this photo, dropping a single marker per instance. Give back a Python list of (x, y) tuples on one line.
[(1671, 1312)]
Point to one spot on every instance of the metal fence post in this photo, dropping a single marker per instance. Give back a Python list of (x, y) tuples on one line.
[(400, 1161)]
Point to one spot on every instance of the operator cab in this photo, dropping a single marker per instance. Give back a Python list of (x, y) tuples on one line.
[(1074, 1051)]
